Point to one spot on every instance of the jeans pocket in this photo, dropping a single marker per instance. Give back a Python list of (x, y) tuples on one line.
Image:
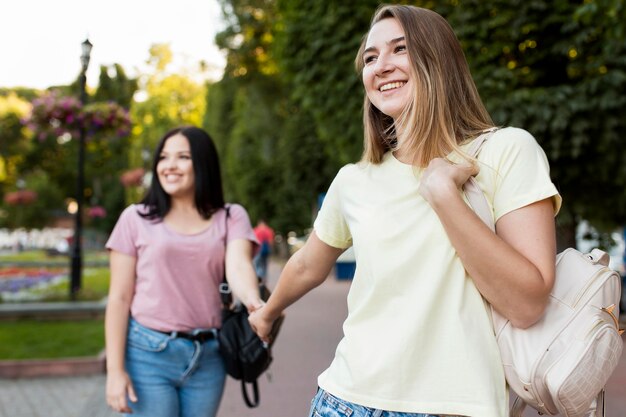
[(331, 406), (141, 337)]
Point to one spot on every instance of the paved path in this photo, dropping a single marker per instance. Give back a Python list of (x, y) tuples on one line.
[(304, 348)]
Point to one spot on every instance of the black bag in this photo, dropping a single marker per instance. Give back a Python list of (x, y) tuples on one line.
[(245, 355)]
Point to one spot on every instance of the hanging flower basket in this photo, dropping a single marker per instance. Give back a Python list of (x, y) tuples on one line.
[(96, 212), (20, 197), (53, 116), (133, 177)]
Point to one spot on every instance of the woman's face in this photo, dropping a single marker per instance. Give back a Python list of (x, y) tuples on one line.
[(175, 168), (386, 68)]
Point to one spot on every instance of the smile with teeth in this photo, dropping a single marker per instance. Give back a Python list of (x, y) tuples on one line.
[(392, 86)]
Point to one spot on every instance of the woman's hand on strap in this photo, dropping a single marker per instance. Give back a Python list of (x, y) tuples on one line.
[(442, 177), (514, 268)]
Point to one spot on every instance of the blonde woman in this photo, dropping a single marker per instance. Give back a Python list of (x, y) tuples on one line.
[(418, 339)]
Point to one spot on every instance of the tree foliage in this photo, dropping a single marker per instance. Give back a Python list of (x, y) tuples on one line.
[(44, 155), (554, 68), (318, 42), (245, 110), (170, 99), (13, 141), (167, 99), (249, 37), (36, 214), (114, 85), (558, 69)]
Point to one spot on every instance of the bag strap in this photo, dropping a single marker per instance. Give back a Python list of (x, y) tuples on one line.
[(227, 299), (600, 405), (517, 408), (226, 293), (475, 195), (255, 392), (478, 202)]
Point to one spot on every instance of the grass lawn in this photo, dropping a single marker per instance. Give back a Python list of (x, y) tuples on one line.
[(35, 339), (44, 339), (40, 256)]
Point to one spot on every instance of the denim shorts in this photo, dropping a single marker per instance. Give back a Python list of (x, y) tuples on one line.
[(325, 404)]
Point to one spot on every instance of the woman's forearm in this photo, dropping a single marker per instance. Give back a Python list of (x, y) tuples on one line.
[(305, 270), (115, 328), (515, 273)]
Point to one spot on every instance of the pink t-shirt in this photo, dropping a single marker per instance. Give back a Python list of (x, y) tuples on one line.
[(177, 275)]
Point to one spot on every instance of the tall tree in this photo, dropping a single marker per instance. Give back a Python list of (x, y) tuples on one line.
[(246, 108), (558, 69), (13, 138), (168, 99), (114, 85), (318, 43)]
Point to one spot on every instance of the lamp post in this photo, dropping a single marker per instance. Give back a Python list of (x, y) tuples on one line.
[(76, 257)]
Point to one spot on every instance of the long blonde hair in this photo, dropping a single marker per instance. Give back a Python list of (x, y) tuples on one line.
[(445, 109)]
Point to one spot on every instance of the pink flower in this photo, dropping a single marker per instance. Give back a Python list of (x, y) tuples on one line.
[(97, 212), (20, 197)]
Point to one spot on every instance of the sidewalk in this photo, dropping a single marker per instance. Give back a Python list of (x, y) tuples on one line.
[(303, 349)]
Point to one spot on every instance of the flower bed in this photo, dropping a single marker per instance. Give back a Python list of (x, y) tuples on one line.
[(26, 284)]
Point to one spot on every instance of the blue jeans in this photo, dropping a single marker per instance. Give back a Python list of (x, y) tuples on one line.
[(260, 266), (173, 377), (327, 405)]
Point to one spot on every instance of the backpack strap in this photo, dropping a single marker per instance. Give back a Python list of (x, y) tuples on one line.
[(226, 293), (475, 195), (517, 408), (600, 405), (255, 392), (227, 299), (478, 202)]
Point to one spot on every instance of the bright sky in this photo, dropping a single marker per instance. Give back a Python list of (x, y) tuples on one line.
[(40, 40)]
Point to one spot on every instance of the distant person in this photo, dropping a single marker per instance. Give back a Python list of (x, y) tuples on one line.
[(265, 235), (418, 340), (168, 256)]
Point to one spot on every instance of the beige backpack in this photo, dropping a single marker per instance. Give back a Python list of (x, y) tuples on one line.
[(561, 364)]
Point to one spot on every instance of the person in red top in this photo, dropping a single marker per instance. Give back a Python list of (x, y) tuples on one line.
[(265, 236)]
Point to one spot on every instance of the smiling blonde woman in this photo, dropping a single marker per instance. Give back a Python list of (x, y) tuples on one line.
[(418, 339)]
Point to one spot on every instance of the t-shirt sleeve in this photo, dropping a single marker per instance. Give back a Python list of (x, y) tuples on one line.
[(239, 226), (124, 234), (330, 225), (517, 172)]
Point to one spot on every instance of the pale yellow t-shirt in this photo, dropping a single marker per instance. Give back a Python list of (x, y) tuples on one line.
[(418, 336)]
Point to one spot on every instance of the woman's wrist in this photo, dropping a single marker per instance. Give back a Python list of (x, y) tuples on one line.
[(441, 194), (268, 313)]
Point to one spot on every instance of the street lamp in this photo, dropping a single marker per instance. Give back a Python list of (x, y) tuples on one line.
[(76, 257)]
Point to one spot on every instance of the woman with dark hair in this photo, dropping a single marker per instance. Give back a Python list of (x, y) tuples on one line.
[(168, 256), (418, 339)]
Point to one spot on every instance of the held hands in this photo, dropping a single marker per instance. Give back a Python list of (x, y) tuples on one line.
[(442, 178), (254, 304), (261, 324), (117, 389)]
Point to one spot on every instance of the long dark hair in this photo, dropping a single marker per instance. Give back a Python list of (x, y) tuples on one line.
[(209, 196)]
